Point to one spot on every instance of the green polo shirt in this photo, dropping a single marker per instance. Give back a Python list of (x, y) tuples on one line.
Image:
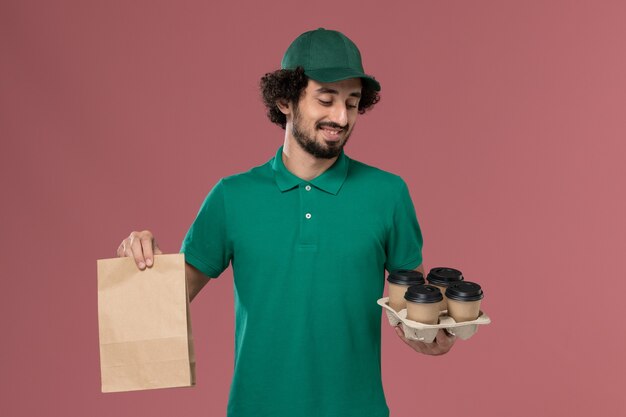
[(309, 260)]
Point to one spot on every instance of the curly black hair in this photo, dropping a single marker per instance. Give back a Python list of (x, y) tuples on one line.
[(286, 84)]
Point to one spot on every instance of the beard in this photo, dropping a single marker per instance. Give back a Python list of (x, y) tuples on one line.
[(325, 150)]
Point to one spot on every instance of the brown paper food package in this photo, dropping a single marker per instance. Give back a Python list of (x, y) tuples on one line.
[(144, 325)]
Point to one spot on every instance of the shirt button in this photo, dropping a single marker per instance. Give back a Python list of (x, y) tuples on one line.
[(308, 215), (308, 188)]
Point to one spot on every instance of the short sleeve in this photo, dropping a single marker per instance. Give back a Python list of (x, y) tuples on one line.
[(206, 245), (404, 243)]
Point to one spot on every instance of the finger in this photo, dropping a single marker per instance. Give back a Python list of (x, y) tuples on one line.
[(399, 331), (137, 251), (444, 340), (442, 344), (120, 250), (146, 247), (126, 250), (413, 344), (418, 346)]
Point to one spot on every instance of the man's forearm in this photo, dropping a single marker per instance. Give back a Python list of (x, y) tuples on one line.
[(196, 280)]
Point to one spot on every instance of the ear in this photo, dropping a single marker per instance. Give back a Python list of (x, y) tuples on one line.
[(284, 106)]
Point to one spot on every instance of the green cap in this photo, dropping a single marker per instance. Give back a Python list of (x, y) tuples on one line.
[(327, 56)]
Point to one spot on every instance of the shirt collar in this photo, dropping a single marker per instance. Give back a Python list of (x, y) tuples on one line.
[(330, 180)]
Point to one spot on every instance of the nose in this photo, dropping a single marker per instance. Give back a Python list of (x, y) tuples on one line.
[(339, 114)]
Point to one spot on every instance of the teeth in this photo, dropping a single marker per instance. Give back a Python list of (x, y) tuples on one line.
[(333, 132)]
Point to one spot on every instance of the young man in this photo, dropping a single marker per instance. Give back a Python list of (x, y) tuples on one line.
[(309, 235)]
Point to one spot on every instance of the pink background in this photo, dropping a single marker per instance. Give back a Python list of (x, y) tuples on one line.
[(507, 120)]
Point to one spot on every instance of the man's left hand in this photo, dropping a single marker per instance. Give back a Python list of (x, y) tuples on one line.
[(442, 343)]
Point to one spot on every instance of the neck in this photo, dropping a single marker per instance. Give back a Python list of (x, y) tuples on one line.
[(301, 163)]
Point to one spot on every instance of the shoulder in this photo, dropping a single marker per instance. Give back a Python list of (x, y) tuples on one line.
[(254, 177), (372, 176)]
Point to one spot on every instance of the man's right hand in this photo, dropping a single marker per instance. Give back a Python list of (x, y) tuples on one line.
[(140, 245)]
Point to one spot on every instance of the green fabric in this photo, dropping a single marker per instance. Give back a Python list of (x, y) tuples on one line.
[(327, 56), (307, 337)]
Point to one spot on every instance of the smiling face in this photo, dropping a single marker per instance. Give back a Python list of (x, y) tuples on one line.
[(324, 118)]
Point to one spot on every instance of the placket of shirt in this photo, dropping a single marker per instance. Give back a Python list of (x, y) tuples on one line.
[(308, 219)]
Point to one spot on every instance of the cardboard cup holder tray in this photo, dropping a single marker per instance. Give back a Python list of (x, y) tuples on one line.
[(426, 332)]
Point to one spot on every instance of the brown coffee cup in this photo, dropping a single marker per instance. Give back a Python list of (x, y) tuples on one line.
[(442, 277), (399, 282), (422, 303), (464, 301)]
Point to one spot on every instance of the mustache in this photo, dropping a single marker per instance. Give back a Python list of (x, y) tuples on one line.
[(332, 125)]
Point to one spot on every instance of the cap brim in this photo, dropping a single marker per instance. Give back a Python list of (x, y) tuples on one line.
[(330, 75)]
